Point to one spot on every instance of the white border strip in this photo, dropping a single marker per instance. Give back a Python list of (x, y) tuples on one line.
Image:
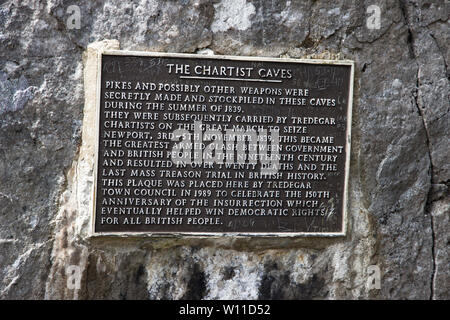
[(165, 234)]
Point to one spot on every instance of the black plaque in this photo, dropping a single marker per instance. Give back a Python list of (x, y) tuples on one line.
[(145, 97)]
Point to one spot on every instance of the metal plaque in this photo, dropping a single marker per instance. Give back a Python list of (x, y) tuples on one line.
[(221, 145)]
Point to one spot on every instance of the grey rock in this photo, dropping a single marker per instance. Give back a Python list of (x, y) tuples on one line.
[(398, 190)]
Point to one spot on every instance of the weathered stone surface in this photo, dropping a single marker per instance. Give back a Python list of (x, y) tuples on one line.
[(398, 192)]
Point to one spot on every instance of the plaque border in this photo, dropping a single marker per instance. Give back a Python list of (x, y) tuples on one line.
[(165, 234)]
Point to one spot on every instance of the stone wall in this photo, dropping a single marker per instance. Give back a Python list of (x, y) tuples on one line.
[(399, 200)]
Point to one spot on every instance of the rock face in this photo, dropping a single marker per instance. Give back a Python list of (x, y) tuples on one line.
[(399, 202)]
